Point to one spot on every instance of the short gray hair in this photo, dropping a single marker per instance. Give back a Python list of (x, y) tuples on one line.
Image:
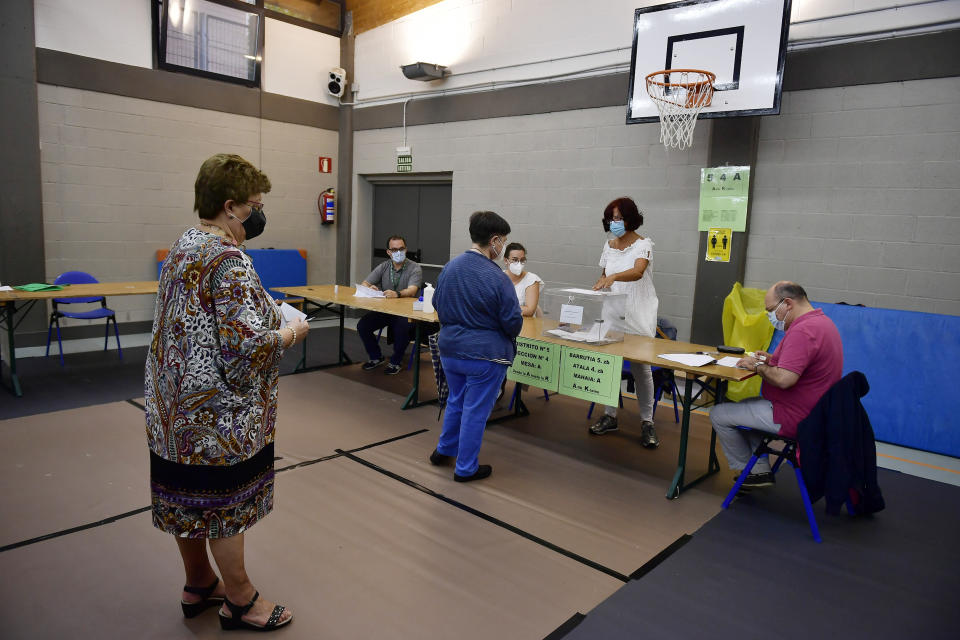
[(790, 290)]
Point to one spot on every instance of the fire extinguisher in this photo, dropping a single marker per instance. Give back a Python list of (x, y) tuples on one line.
[(328, 206)]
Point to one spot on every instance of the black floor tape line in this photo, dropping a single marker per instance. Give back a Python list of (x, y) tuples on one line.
[(136, 404), (566, 627), (121, 516), (82, 527), (652, 563), (307, 463), (500, 523)]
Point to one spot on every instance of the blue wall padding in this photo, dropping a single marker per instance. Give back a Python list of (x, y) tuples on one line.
[(909, 359), (276, 268)]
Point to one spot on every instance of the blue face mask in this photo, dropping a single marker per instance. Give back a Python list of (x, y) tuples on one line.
[(398, 256), (617, 228), (772, 316)]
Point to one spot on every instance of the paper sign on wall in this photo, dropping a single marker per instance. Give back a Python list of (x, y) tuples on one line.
[(590, 375), (718, 245), (537, 363), (723, 198)]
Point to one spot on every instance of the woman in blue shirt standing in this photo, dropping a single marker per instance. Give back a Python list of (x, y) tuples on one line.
[(480, 320)]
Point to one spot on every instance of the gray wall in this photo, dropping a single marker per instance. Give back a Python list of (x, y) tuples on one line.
[(550, 176), (21, 218), (856, 195), (118, 176)]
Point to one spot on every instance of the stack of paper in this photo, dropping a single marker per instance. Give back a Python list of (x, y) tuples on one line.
[(367, 292), (288, 314), (689, 359)]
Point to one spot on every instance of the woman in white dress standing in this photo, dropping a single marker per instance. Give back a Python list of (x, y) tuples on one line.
[(526, 284), (626, 269)]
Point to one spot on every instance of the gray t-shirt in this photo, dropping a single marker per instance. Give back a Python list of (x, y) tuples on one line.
[(384, 276)]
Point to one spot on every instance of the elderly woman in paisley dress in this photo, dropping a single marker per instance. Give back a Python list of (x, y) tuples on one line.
[(211, 395)]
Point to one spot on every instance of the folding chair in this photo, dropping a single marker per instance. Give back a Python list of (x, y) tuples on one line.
[(80, 277), (788, 453)]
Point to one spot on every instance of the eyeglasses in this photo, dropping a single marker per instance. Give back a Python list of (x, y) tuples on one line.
[(778, 305), (255, 205), (520, 260)]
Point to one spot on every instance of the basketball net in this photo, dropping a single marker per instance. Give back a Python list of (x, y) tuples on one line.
[(680, 96)]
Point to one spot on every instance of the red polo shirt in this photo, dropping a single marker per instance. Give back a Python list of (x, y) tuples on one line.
[(811, 348)]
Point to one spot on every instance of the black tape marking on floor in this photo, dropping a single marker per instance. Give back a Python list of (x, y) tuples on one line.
[(82, 527), (652, 563), (136, 404), (491, 519), (566, 627), (121, 516), (307, 463)]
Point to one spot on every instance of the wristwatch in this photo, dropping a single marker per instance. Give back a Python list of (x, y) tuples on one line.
[(756, 367)]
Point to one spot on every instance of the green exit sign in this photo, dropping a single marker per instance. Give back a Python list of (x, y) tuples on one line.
[(404, 160)]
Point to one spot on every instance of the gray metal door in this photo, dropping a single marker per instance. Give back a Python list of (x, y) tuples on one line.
[(421, 214)]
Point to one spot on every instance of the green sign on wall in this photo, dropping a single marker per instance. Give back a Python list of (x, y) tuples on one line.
[(723, 198), (537, 363), (590, 375)]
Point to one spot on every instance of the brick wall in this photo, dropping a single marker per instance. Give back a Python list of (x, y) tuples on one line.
[(550, 176), (856, 195), (118, 177)]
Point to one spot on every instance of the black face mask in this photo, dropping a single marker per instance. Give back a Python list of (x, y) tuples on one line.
[(254, 224)]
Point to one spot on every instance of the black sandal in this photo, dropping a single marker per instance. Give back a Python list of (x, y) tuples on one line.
[(191, 609), (237, 612)]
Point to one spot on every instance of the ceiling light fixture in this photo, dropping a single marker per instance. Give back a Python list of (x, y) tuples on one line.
[(424, 71)]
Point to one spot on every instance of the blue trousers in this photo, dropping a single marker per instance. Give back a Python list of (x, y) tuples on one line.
[(374, 321), (474, 386)]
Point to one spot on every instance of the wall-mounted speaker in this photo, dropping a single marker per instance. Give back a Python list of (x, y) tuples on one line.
[(337, 82)]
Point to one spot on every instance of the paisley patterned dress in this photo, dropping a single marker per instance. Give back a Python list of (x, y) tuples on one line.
[(211, 391)]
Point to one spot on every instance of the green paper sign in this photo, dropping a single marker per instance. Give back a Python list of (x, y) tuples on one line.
[(590, 375), (537, 363), (723, 198)]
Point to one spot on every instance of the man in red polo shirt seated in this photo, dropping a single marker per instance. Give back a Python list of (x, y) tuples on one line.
[(806, 363)]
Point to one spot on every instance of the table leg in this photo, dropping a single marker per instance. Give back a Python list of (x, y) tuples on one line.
[(413, 399), (675, 486), (10, 312), (713, 463)]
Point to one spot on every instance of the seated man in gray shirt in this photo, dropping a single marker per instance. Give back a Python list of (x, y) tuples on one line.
[(398, 277)]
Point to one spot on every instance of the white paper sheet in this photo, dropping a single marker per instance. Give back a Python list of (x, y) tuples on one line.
[(288, 314), (6, 288), (689, 359), (367, 292), (571, 314), (728, 361), (585, 292)]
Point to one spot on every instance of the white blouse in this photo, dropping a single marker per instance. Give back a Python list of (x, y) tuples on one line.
[(527, 280), (642, 302)]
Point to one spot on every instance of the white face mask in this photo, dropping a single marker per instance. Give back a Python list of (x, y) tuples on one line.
[(772, 315), (516, 268), (399, 255), (494, 252)]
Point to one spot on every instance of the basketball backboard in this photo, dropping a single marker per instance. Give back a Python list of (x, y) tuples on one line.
[(743, 42)]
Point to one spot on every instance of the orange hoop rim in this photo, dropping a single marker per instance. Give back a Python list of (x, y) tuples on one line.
[(711, 78)]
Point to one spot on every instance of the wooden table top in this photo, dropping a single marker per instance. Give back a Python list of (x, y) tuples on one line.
[(85, 290), (634, 348), (344, 295), (643, 350)]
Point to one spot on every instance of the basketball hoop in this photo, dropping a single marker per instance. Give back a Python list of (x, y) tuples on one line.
[(680, 95)]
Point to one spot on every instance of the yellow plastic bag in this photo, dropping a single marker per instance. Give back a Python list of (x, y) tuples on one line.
[(745, 324)]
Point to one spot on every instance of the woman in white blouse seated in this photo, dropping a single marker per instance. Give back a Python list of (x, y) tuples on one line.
[(526, 284)]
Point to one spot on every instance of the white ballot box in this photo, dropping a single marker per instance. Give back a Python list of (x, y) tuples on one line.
[(582, 315)]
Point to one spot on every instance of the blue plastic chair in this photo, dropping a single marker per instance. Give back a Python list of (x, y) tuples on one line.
[(80, 277)]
